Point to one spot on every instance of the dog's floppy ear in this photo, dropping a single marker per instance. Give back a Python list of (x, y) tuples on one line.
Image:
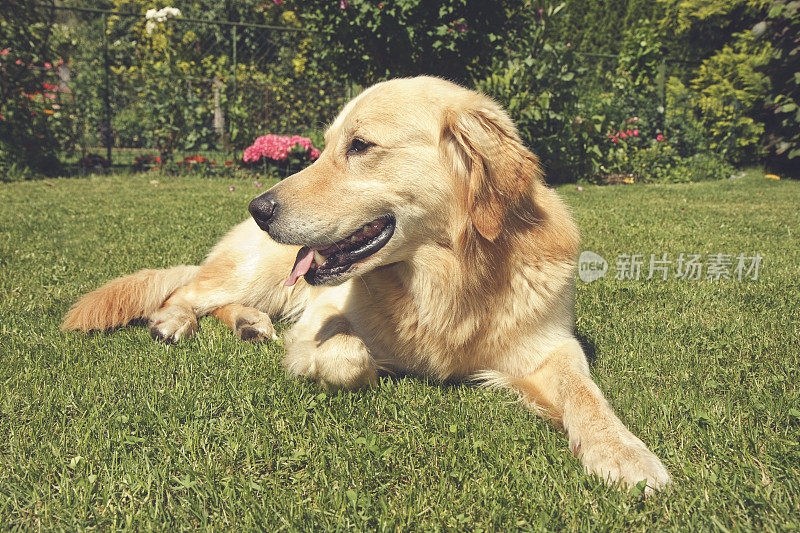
[(499, 168)]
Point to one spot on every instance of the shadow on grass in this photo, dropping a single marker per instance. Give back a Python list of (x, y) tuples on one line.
[(589, 348)]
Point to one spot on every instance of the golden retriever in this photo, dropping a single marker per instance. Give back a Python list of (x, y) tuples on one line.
[(428, 243)]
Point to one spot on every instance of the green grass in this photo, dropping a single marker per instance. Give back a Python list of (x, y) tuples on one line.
[(115, 431)]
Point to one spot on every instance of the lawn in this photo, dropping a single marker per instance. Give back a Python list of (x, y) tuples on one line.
[(115, 431)]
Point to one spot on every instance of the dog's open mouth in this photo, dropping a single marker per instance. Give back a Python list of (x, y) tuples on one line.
[(319, 265)]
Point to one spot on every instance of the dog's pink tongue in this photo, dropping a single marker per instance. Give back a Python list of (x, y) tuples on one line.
[(301, 266)]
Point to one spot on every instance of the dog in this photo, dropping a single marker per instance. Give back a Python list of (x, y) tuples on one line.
[(422, 241)]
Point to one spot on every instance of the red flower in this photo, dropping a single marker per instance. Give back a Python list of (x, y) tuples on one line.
[(635, 133), (158, 159), (623, 135), (18, 61), (659, 137), (614, 140), (629, 133), (228, 163), (4, 52), (47, 65)]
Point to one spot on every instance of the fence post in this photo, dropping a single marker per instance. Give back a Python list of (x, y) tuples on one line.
[(233, 92), (661, 80), (106, 92), (219, 116)]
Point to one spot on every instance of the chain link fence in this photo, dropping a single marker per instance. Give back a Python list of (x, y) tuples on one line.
[(132, 87)]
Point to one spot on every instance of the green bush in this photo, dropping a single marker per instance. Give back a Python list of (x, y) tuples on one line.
[(728, 92), (660, 163), (36, 124), (782, 103)]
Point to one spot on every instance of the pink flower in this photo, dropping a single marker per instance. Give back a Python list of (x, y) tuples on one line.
[(659, 137), (277, 2), (614, 140), (629, 133), (50, 96), (278, 148), (231, 188), (60, 61), (47, 65), (635, 133), (635, 119), (258, 184), (18, 61), (342, 4), (569, 45), (578, 188), (623, 135), (4, 52)]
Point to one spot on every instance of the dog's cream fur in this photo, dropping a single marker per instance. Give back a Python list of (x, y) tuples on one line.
[(476, 282)]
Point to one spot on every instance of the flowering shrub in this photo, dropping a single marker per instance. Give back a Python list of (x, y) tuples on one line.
[(282, 152), (196, 160), (276, 148), (37, 123), (196, 164), (144, 162)]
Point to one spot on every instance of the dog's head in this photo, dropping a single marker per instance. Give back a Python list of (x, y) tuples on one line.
[(408, 163)]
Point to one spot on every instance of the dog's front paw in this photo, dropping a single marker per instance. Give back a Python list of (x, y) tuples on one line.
[(623, 459), (341, 362), (255, 327), (172, 323)]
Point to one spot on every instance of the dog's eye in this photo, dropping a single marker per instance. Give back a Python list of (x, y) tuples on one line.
[(358, 146)]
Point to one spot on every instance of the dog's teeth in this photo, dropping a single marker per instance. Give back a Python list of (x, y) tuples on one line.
[(318, 257)]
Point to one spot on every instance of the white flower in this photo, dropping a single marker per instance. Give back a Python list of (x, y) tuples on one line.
[(153, 17)]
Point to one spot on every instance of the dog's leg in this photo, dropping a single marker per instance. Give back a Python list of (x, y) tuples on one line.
[(562, 389), (212, 288), (248, 323), (323, 346)]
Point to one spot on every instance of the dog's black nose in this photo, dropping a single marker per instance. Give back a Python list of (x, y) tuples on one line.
[(262, 208)]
